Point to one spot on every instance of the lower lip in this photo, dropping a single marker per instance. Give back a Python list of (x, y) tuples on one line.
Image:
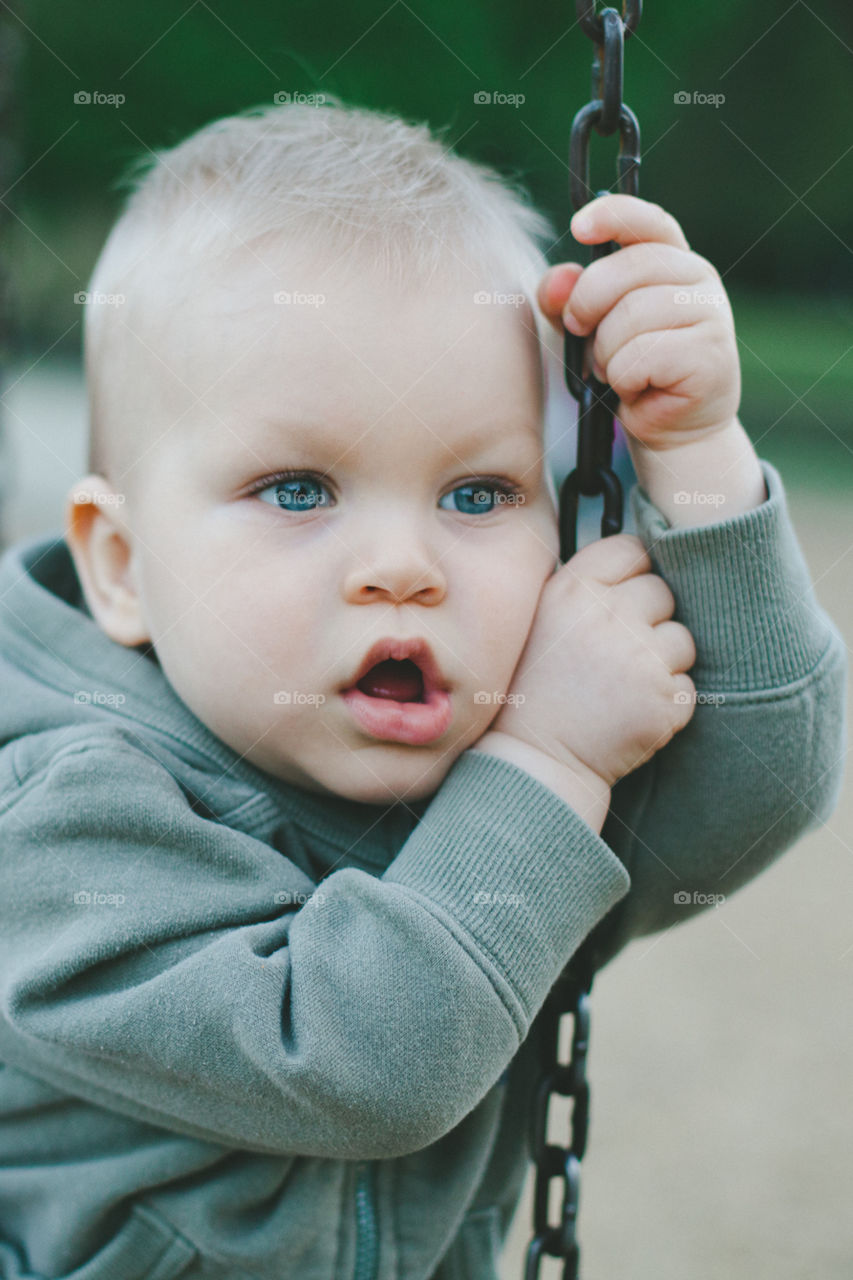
[(414, 723)]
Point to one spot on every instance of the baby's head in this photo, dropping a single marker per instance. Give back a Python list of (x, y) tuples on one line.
[(332, 292)]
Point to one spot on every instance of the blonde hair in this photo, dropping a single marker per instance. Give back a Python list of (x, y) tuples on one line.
[(334, 175)]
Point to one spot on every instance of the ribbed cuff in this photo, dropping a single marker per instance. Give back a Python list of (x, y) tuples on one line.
[(514, 868), (742, 589)]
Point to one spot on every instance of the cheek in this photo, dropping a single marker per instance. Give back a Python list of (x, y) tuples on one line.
[(226, 615), (258, 625), (246, 658), (501, 596)]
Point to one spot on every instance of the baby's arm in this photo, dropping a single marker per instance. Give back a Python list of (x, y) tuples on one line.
[(752, 771), (761, 760), (193, 995)]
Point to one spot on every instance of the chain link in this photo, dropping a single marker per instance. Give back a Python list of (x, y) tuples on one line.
[(593, 475), (607, 114)]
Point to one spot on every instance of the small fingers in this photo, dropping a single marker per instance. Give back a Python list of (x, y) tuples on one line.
[(638, 266), (609, 560), (651, 309), (627, 220), (675, 645), (555, 289), (645, 597), (684, 698)]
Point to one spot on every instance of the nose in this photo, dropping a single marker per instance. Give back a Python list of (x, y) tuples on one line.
[(399, 570)]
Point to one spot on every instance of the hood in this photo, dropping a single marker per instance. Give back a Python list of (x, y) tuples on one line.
[(60, 671)]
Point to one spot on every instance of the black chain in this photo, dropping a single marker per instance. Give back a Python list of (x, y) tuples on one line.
[(597, 401), (593, 475)]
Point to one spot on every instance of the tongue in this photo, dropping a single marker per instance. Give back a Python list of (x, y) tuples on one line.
[(400, 681)]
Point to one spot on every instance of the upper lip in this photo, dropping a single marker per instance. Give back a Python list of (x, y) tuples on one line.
[(400, 648)]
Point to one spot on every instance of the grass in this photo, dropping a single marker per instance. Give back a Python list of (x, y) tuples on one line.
[(797, 371)]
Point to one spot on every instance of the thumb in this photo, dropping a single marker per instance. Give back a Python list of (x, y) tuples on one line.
[(555, 289)]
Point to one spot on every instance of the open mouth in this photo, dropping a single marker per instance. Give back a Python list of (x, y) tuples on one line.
[(400, 699), (397, 681)]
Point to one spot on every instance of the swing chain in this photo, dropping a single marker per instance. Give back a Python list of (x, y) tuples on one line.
[(593, 475), (597, 401)]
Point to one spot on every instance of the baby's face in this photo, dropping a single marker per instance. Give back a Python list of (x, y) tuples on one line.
[(419, 512)]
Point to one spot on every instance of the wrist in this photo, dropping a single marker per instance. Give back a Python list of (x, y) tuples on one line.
[(572, 780), (701, 481)]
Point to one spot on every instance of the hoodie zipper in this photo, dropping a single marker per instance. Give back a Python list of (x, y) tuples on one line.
[(366, 1236)]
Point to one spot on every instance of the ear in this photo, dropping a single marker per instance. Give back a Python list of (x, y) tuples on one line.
[(102, 550)]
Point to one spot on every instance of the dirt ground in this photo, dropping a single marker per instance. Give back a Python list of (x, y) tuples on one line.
[(721, 1051)]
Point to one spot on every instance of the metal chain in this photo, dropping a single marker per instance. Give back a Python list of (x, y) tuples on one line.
[(593, 475), (597, 401)]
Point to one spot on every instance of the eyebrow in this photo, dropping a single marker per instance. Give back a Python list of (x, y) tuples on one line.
[(299, 432), (488, 435)]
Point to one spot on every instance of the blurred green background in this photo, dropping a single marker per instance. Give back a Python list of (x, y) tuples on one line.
[(761, 183)]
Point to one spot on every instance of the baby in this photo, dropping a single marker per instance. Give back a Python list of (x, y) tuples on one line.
[(317, 766)]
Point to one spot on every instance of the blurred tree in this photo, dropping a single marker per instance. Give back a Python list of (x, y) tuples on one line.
[(760, 181), (10, 171)]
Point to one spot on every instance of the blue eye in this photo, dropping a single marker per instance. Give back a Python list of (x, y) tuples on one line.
[(295, 493), (298, 491), (478, 498)]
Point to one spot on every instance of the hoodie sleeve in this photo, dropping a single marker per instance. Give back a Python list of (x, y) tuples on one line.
[(153, 963), (761, 761)]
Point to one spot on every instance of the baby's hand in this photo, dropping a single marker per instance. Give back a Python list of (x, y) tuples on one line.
[(600, 680), (664, 334)]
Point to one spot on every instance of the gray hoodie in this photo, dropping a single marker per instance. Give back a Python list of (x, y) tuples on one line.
[(248, 1030)]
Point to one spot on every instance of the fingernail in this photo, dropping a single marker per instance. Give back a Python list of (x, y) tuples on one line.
[(582, 222), (572, 323)]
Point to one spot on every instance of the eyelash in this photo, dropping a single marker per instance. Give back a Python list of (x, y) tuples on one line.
[(279, 477)]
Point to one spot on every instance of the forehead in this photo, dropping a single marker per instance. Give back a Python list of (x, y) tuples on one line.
[(303, 295), (293, 342)]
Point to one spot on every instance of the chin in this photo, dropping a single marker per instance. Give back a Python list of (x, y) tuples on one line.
[(393, 781)]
